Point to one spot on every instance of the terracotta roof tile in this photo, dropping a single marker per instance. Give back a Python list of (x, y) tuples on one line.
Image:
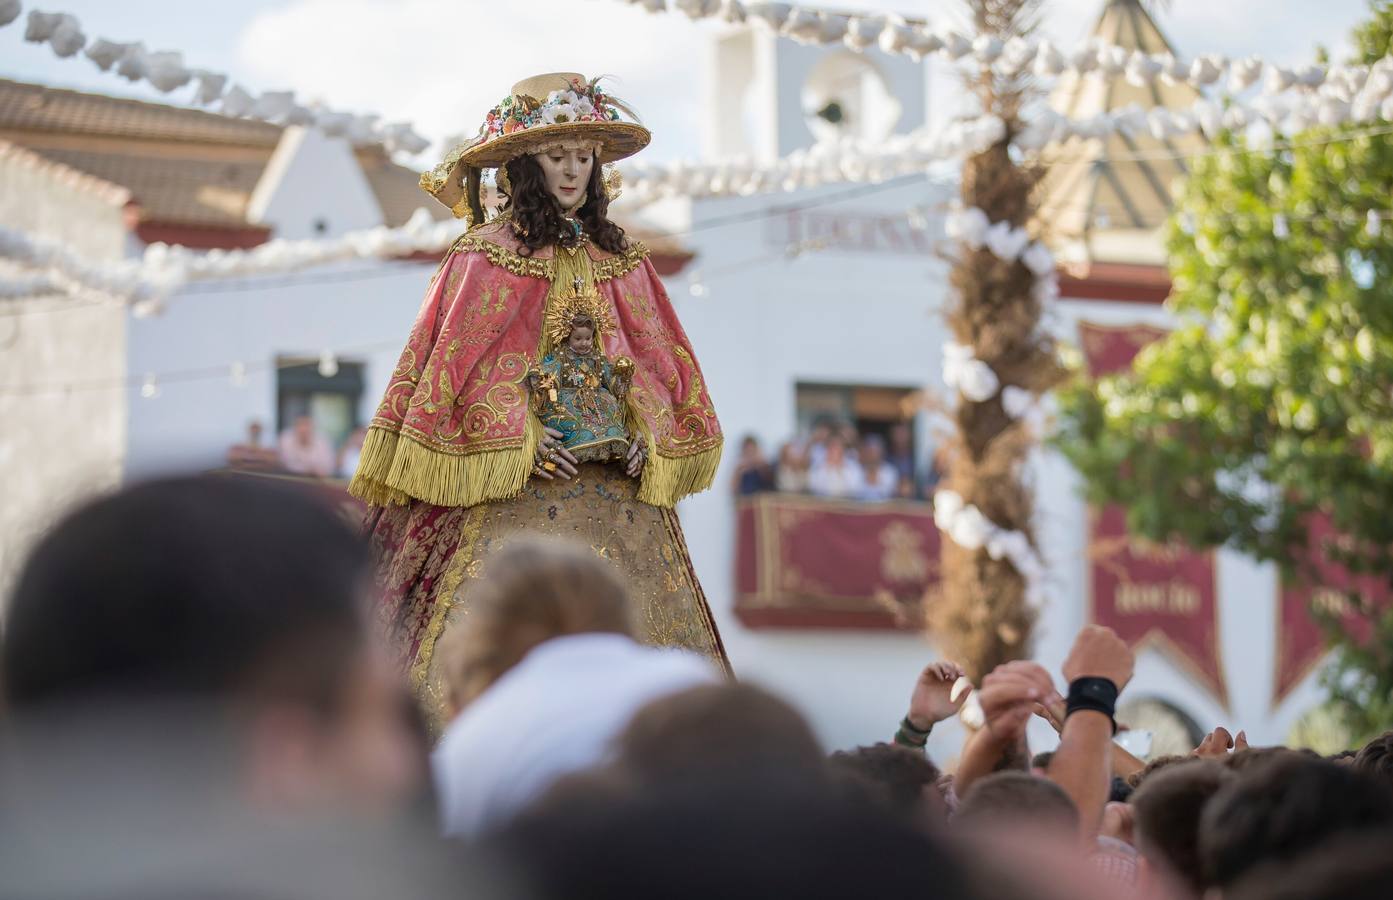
[(34, 107), (108, 191), (192, 191), (182, 166)]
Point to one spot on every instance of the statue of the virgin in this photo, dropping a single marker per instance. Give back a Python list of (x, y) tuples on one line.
[(462, 452)]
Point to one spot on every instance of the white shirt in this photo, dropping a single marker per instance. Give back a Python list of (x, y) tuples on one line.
[(828, 480), (886, 481), (555, 713)]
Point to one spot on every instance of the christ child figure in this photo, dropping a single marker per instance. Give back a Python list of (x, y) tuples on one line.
[(580, 394)]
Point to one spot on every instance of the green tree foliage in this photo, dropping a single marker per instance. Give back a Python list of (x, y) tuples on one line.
[(1273, 399)]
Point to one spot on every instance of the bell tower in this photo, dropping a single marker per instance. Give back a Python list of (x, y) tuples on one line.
[(767, 96)]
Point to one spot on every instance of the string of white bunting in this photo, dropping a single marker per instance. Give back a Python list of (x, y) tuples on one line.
[(147, 282), (828, 162), (896, 35), (970, 529), (962, 370), (1288, 114), (166, 71)]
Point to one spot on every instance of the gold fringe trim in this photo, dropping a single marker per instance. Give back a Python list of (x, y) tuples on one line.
[(667, 479), (369, 482), (395, 468)]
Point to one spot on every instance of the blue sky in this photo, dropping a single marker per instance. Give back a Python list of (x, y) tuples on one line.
[(441, 63)]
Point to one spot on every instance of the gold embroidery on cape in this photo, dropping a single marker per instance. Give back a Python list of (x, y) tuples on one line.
[(621, 265)]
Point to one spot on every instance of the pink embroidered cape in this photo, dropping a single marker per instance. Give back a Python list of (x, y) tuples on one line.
[(454, 427)]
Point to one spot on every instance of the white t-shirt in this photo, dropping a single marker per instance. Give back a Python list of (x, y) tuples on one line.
[(887, 480), (829, 480), (555, 713)]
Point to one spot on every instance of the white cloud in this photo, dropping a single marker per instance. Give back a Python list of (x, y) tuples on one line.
[(442, 64)]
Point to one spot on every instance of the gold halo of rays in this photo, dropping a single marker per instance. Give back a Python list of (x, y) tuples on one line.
[(564, 311)]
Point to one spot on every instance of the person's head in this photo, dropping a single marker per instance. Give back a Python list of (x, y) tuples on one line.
[(582, 338), (304, 428), (906, 780), (1136, 779), (1166, 817), (541, 189), (1282, 806), (719, 732), (850, 436), (531, 590), (820, 432), (1242, 760), (1017, 800), (901, 439), (1375, 758), (836, 450), (1344, 757), (254, 432), (749, 450), (872, 450), (1356, 868), (566, 171), (793, 456), (737, 840), (1040, 762), (235, 600)]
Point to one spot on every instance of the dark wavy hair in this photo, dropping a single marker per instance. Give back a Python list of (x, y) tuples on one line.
[(537, 217)]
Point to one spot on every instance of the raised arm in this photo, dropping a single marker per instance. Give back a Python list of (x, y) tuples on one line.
[(1097, 669), (931, 702), (1008, 699)]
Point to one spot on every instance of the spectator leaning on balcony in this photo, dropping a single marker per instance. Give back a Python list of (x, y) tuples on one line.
[(879, 480), (836, 475), (791, 476), (900, 453), (818, 436), (753, 474), (304, 451)]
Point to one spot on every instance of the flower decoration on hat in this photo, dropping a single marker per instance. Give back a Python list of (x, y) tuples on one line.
[(562, 109)]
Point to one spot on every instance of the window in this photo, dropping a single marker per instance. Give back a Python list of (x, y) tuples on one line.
[(873, 410), (332, 401)]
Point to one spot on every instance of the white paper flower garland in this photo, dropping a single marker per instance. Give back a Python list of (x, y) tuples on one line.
[(146, 283), (962, 371), (896, 35), (166, 72), (1288, 114), (966, 525), (843, 161)]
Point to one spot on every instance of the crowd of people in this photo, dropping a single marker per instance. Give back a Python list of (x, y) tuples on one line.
[(301, 449), (836, 460), (195, 704)]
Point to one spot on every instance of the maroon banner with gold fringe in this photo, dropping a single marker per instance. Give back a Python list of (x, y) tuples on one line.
[(1330, 588), (1161, 596), (807, 562)]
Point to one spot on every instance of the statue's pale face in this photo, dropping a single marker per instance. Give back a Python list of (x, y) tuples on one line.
[(582, 339), (567, 173)]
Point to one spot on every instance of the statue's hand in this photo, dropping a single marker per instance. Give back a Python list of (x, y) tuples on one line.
[(636, 457), (553, 460)]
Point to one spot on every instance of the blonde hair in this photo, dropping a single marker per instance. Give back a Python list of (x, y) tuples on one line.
[(532, 590)]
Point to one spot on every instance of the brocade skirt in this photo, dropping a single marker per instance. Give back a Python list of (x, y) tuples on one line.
[(429, 556)]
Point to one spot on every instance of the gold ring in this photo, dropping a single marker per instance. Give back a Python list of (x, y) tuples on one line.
[(549, 466)]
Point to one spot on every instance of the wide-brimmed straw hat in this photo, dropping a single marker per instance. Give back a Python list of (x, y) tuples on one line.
[(559, 109)]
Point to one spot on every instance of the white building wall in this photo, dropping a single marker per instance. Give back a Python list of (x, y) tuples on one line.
[(837, 316), (56, 448), (193, 422)]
